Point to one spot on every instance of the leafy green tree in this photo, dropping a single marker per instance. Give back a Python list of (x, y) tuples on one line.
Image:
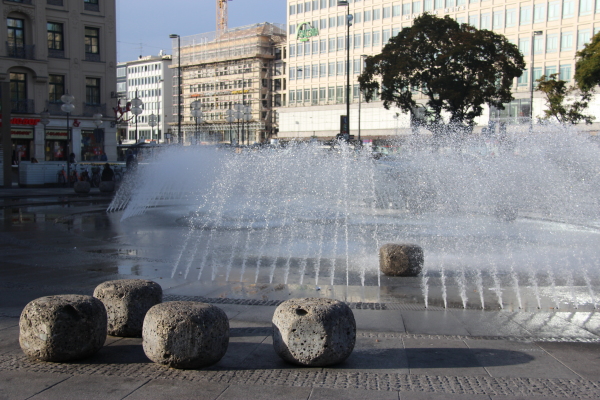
[(587, 67), (556, 93), (457, 67)]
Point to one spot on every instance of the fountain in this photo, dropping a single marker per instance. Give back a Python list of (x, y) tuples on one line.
[(503, 224)]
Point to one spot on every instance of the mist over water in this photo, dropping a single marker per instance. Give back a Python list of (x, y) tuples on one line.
[(518, 217)]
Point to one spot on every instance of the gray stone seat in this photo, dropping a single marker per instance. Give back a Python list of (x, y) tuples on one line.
[(401, 259), (81, 187), (127, 301), (185, 334), (107, 186), (313, 332), (62, 328)]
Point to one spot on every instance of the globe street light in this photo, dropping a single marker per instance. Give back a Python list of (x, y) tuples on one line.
[(136, 109), (68, 108), (97, 118), (173, 36)]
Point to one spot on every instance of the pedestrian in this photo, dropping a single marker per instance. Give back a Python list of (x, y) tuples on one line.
[(107, 173), (72, 158)]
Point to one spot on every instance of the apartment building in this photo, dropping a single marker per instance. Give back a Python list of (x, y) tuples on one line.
[(317, 55), (235, 78), (147, 79), (52, 48)]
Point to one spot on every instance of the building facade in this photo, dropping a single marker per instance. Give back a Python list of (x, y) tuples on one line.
[(50, 48), (317, 56), (149, 80), (235, 78)]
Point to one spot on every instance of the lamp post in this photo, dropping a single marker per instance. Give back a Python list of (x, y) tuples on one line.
[(97, 118), (197, 114), (173, 36), (45, 120), (230, 119), (362, 58), (136, 109), (246, 118), (535, 33), (68, 108), (345, 3), (239, 114)]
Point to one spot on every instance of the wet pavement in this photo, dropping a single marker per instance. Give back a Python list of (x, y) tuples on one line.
[(55, 242)]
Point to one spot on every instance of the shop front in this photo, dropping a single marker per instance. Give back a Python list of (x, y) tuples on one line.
[(56, 144), (92, 145), (22, 144)]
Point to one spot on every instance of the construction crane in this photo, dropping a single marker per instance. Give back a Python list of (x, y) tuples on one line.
[(221, 16)]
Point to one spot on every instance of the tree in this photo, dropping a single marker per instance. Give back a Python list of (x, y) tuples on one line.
[(556, 93), (456, 66), (587, 67)]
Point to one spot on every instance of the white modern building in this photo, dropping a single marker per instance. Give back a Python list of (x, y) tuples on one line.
[(147, 79), (317, 56)]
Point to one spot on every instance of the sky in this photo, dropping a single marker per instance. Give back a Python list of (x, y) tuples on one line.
[(144, 26)]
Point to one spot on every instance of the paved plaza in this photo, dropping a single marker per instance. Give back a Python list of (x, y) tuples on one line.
[(403, 351)]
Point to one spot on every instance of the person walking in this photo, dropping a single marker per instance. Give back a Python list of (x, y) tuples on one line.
[(107, 173)]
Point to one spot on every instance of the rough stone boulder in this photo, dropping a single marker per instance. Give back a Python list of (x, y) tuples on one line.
[(107, 186), (313, 332), (62, 328), (185, 334), (81, 187), (127, 301), (401, 259)]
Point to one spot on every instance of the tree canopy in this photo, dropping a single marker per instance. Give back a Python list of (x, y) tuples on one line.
[(587, 67), (457, 67), (556, 92)]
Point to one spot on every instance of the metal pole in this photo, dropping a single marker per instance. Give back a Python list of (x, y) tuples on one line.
[(179, 89), (535, 33), (348, 67), (6, 139)]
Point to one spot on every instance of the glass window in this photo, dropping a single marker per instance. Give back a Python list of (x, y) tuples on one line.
[(538, 44), (367, 39), (565, 72), (92, 91), (322, 70), (307, 71), (331, 93), (406, 8), (356, 66), (323, 4), (397, 10), (322, 94), (323, 45), (485, 21), (523, 80), (300, 8), (387, 12), (357, 18), (474, 20), (449, 3), (18, 86), (331, 69), (323, 23), (427, 5), (56, 88), (525, 46), (357, 41), (307, 7), (339, 68), (292, 9), (292, 29), (552, 43), (315, 70), (539, 13), (461, 2), (340, 20), (568, 8), (306, 94), (386, 36), (367, 15), (307, 48), (332, 22), (416, 7), (331, 45), (299, 71), (525, 17), (376, 37), (498, 23), (554, 10), (566, 41), (16, 32), (299, 96), (315, 4), (511, 17), (376, 14), (92, 40), (292, 50), (339, 94), (537, 73), (340, 43), (583, 37), (586, 7), (315, 47), (55, 36), (438, 4)]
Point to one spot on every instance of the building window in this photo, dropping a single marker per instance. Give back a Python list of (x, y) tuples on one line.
[(449, 3), (552, 43), (568, 9), (376, 14), (55, 36), (331, 69), (357, 18), (565, 72), (18, 86), (323, 23), (367, 15), (292, 73), (396, 10), (339, 68), (323, 46), (92, 91), (586, 7), (340, 20), (331, 45), (56, 88), (315, 47), (387, 12), (292, 9), (438, 4), (339, 94), (485, 21), (16, 32), (416, 7), (525, 46), (322, 70), (92, 40), (357, 38), (315, 70), (511, 17), (386, 36), (306, 95), (292, 50), (340, 43), (583, 37), (474, 21), (539, 13), (553, 10), (300, 8), (523, 80), (427, 5), (566, 41), (322, 93), (537, 73), (376, 36), (292, 96), (367, 39), (525, 17), (91, 5), (497, 20), (538, 44), (356, 66), (292, 29), (330, 93)]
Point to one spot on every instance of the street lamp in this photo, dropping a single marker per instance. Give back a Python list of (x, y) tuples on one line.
[(239, 114), (68, 108), (230, 117), (136, 109), (97, 118), (247, 116), (345, 3), (45, 120), (362, 58), (197, 114), (535, 33), (173, 36)]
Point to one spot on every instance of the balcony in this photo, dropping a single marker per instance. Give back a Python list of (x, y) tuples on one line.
[(52, 53), (92, 57), (26, 106), (23, 51), (20, 1), (88, 110), (55, 2)]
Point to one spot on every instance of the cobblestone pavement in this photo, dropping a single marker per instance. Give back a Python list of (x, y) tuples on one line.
[(403, 351)]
